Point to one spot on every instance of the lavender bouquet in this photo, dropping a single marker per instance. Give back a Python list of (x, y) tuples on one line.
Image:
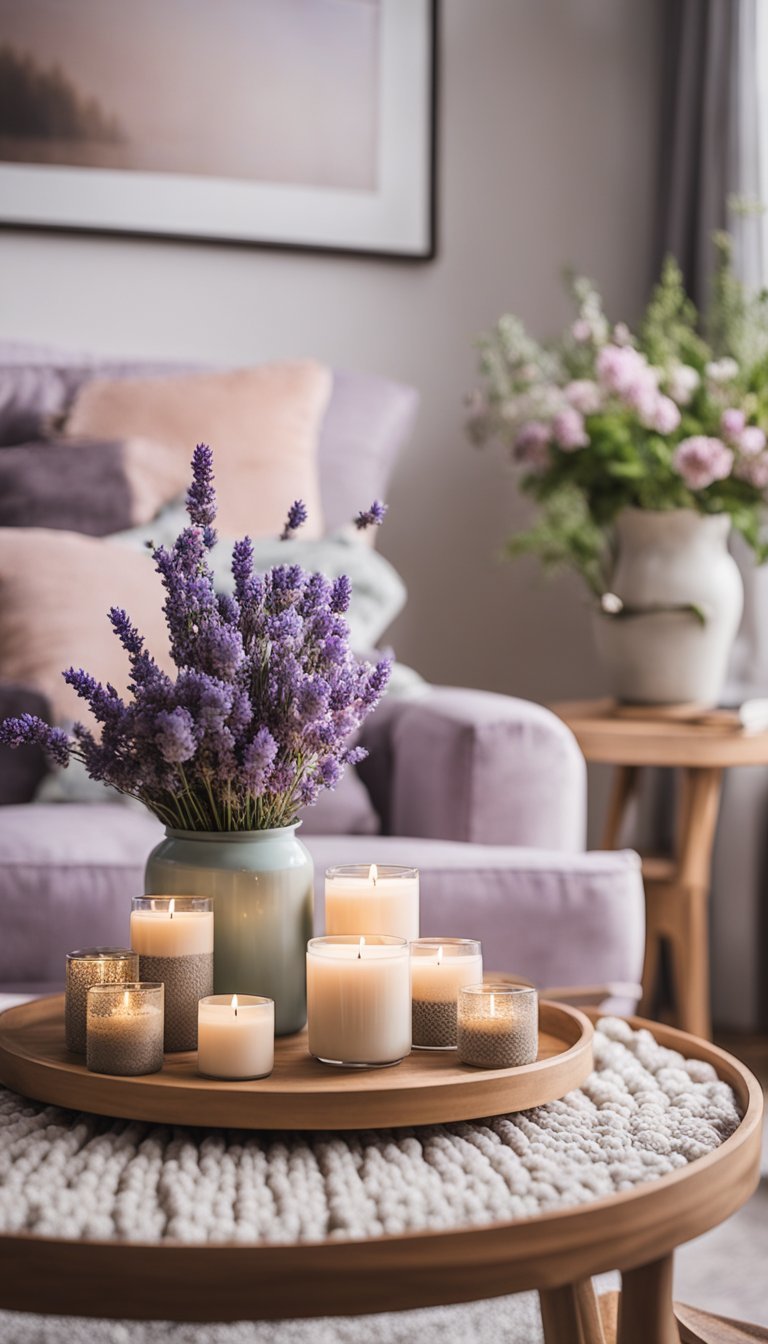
[(267, 692)]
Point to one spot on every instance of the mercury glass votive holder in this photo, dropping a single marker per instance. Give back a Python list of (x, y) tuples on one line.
[(498, 1025), (125, 1028), (439, 969), (86, 967), (173, 936)]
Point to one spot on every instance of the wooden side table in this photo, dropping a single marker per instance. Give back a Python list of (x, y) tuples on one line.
[(676, 889)]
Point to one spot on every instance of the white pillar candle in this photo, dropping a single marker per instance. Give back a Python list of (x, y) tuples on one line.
[(376, 899), (440, 967), (164, 928), (359, 1000), (235, 1036)]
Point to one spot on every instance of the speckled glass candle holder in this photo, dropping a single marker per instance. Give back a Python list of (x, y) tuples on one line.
[(92, 966), (173, 936), (439, 968), (125, 1029), (498, 1026)]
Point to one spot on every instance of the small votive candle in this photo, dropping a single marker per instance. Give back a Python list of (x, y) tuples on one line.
[(372, 898), (359, 1000), (173, 936), (236, 1036), (439, 969), (125, 1028), (498, 1025), (92, 966)]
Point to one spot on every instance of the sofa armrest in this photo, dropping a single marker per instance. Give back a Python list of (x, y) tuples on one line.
[(476, 766)]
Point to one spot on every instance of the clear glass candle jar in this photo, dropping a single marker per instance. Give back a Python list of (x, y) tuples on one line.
[(359, 1000), (439, 969), (86, 967), (173, 936), (236, 1036), (362, 898), (498, 1025), (125, 1029)]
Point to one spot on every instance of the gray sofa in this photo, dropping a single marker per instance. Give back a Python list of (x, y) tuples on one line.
[(485, 794)]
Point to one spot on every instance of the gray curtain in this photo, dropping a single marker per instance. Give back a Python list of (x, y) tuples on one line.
[(709, 149), (698, 131)]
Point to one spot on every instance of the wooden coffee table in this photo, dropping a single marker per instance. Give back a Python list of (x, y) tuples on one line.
[(635, 1231), (676, 888)]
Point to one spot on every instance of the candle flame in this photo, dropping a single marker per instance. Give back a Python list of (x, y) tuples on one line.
[(493, 1005), (234, 1003), (439, 954), (360, 949), (171, 907), (126, 999), (373, 874)]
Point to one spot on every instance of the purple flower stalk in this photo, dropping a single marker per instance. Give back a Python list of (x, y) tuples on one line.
[(266, 695), (297, 516), (372, 517)]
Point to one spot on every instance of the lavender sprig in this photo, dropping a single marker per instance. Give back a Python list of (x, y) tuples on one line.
[(266, 695), (372, 517), (297, 516)]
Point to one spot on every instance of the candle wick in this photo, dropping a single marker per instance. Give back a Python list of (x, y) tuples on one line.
[(235, 1012)]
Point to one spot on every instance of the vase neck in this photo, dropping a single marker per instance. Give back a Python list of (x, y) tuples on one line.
[(235, 837)]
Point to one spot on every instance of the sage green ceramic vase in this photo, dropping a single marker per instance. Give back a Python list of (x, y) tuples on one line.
[(261, 883)]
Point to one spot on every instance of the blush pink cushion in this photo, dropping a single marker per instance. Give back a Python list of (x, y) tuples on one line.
[(262, 424), (56, 589)]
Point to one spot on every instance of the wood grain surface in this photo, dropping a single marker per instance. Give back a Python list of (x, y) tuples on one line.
[(427, 1088), (170, 1281), (607, 736)]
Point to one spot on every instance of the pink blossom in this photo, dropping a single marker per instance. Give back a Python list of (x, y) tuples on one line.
[(751, 441), (682, 382), (701, 460), (753, 470), (732, 422), (583, 395), (569, 431), (666, 417), (582, 330), (622, 370), (532, 445)]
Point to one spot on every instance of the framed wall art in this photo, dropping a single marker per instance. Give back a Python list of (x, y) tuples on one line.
[(298, 123)]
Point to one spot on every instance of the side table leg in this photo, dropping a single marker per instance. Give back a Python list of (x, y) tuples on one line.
[(623, 787), (689, 935), (560, 1315), (645, 1305)]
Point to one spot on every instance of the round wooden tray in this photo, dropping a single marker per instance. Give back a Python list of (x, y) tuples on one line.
[(427, 1088)]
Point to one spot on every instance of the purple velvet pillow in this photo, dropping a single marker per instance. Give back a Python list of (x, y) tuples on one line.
[(23, 769), (86, 485)]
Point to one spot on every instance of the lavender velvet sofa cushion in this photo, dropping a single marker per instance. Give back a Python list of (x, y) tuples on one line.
[(67, 872)]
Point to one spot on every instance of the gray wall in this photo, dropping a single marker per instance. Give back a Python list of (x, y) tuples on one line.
[(547, 131)]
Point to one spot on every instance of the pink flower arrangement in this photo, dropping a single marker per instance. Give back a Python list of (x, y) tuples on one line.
[(607, 418)]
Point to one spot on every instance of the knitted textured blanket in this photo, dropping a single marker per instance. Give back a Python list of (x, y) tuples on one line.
[(644, 1112)]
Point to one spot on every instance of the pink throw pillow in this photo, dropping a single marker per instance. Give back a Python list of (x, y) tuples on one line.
[(56, 589), (262, 424)]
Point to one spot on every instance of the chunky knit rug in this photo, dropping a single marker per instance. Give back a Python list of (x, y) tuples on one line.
[(644, 1112)]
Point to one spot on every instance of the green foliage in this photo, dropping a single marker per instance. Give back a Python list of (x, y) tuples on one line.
[(668, 332)]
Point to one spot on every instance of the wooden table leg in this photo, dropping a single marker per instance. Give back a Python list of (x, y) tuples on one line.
[(623, 788), (645, 1306), (570, 1315)]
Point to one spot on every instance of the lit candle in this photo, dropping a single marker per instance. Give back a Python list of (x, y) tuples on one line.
[(439, 969), (376, 899), (498, 1025), (174, 939), (359, 1000), (92, 966), (236, 1036), (125, 1028)]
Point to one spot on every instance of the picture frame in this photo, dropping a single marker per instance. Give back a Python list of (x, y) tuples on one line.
[(380, 203)]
